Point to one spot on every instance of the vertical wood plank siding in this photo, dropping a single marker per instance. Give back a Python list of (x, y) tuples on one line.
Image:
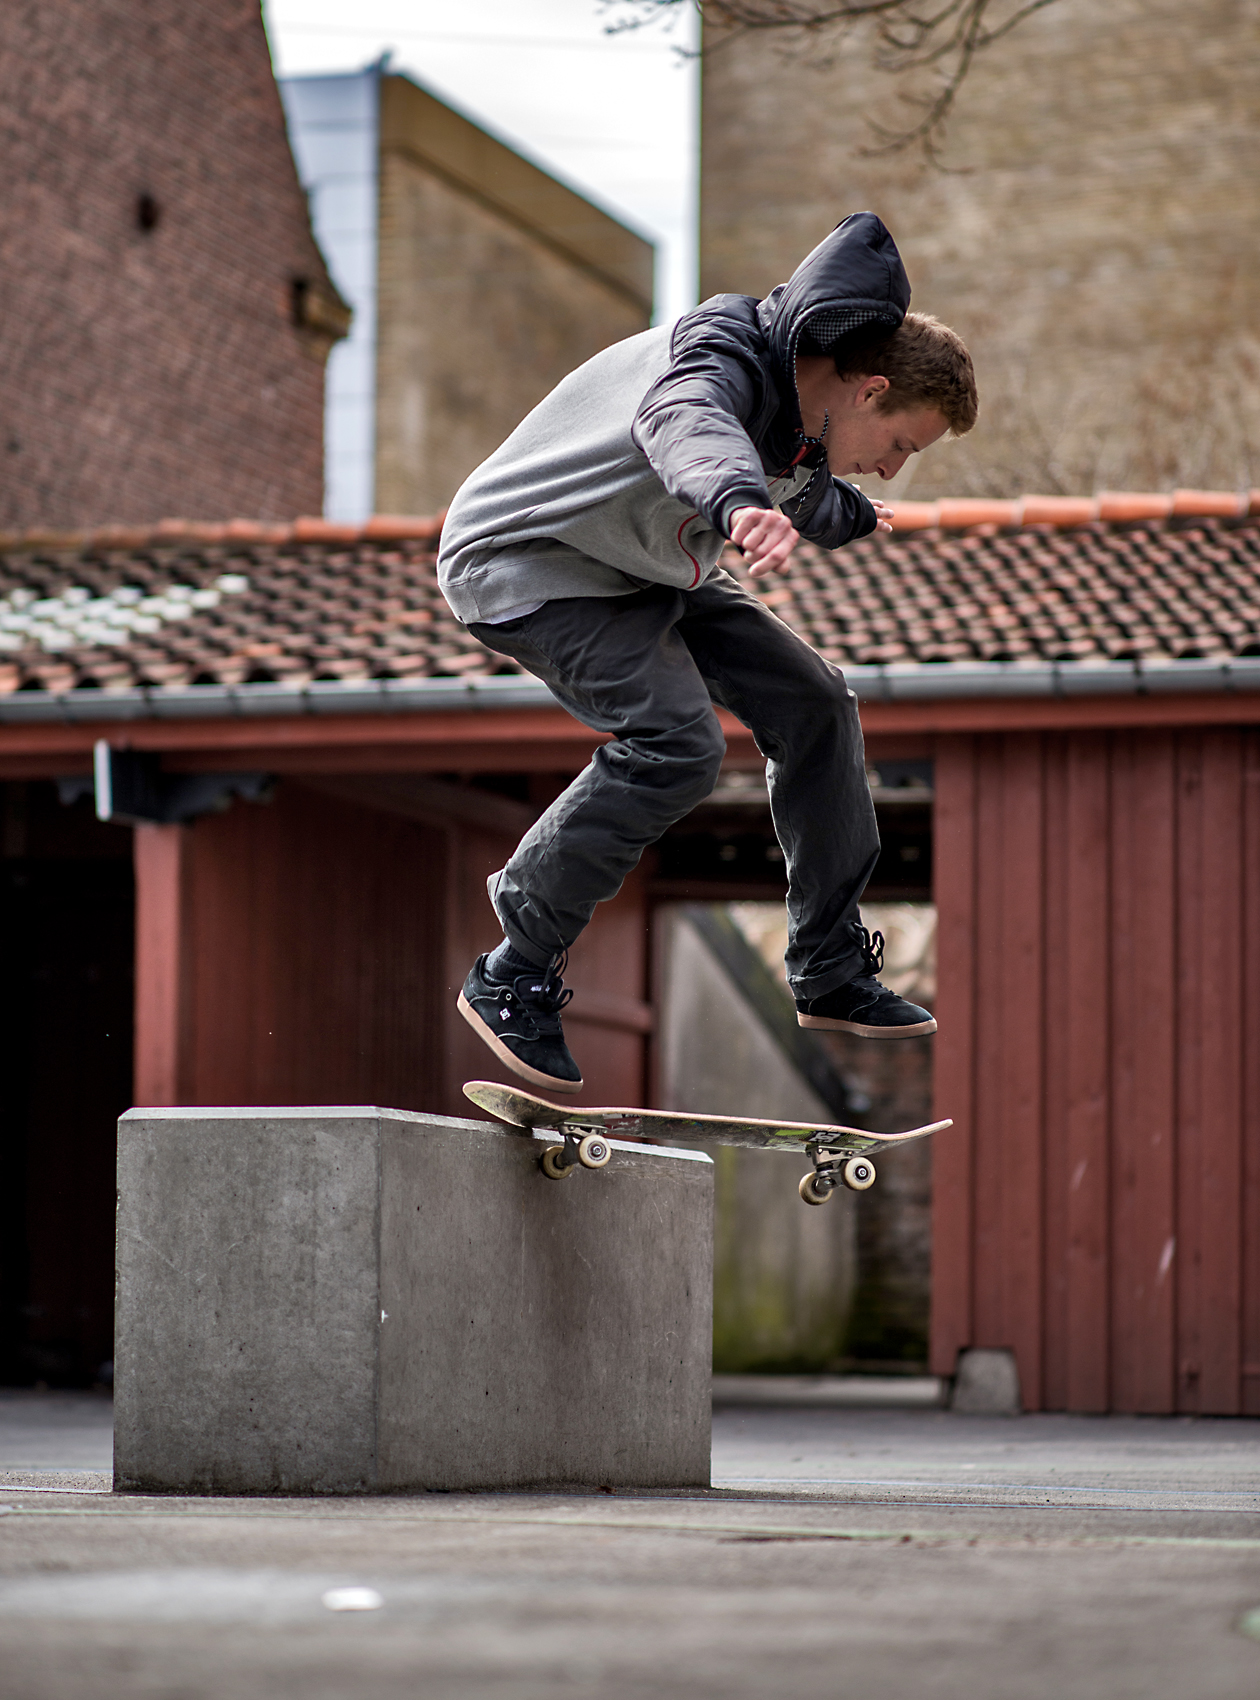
[(1144, 1072), (160, 858), (310, 951), (311, 933), (953, 1158), (1250, 941), (1097, 1204)]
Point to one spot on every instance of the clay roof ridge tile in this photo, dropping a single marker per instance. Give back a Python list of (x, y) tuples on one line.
[(1209, 504), (379, 528), (1114, 507)]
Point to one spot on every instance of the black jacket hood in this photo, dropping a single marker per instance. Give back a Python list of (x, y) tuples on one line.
[(854, 276), (725, 416)]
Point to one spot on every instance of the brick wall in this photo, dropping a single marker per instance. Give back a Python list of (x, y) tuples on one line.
[(151, 372), (1092, 238)]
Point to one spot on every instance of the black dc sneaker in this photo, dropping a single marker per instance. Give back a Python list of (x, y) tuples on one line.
[(865, 1007), (521, 1024)]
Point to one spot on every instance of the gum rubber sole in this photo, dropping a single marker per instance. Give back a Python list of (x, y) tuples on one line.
[(828, 1024), (514, 1063)]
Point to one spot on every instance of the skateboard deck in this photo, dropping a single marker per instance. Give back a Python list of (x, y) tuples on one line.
[(840, 1154)]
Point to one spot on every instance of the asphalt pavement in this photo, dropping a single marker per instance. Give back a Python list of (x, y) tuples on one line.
[(841, 1552)]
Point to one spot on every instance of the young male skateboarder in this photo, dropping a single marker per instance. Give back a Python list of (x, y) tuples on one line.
[(586, 547)]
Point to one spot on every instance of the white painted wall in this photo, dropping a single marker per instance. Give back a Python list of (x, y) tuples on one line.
[(334, 130)]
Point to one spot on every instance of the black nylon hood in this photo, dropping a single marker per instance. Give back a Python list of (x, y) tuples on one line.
[(726, 414), (855, 273)]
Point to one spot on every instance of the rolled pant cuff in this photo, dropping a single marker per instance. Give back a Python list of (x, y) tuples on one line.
[(818, 985), (519, 941), (525, 948)]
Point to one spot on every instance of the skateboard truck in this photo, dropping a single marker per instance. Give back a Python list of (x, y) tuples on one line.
[(832, 1169), (580, 1150)]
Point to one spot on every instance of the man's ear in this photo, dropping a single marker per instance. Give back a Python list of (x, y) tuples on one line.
[(871, 389)]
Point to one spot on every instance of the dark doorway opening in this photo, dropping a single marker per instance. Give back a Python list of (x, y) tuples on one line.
[(67, 908), (726, 847)]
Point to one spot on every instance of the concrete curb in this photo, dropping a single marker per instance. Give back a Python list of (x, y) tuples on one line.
[(840, 1392)]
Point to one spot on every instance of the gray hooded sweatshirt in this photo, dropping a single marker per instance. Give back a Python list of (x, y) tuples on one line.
[(628, 473)]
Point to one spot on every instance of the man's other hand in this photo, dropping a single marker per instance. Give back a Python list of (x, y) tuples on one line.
[(883, 514), (767, 538)]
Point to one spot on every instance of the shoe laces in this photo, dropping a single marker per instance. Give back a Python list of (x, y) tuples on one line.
[(872, 957), (548, 996)]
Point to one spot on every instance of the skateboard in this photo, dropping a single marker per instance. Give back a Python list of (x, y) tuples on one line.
[(840, 1155)]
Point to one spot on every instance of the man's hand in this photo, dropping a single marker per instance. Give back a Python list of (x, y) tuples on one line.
[(767, 538)]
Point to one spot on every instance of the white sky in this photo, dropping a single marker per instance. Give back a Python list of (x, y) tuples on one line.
[(614, 116)]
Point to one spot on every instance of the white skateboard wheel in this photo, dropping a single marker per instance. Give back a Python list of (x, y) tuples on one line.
[(812, 1190), (858, 1174), (553, 1164), (594, 1151)]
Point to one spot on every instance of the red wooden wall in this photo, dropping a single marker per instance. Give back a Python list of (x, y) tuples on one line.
[(309, 951), (284, 955), (1097, 1204)]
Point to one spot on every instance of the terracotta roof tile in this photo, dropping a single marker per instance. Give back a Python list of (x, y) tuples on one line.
[(1058, 510), (954, 512), (1205, 503), (1161, 578), (1040, 579), (1121, 505)]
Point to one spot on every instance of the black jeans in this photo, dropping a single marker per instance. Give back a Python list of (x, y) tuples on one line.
[(647, 668)]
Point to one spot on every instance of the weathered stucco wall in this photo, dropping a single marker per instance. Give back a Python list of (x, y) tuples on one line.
[(1093, 236), (494, 282)]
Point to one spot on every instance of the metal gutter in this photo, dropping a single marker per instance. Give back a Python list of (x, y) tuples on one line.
[(928, 681), (897, 682), (235, 702)]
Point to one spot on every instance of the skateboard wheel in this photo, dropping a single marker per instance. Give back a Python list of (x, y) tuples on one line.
[(593, 1151), (553, 1164), (814, 1189), (858, 1174)]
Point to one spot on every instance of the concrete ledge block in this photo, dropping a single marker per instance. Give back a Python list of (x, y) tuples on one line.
[(359, 1300)]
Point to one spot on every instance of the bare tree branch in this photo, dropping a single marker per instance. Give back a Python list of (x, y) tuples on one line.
[(909, 35)]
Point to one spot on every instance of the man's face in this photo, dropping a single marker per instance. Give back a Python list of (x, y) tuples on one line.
[(881, 442), (860, 439)]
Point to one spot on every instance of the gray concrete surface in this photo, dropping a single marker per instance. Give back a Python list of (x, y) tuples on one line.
[(841, 1553), (362, 1300), (55, 1431)]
